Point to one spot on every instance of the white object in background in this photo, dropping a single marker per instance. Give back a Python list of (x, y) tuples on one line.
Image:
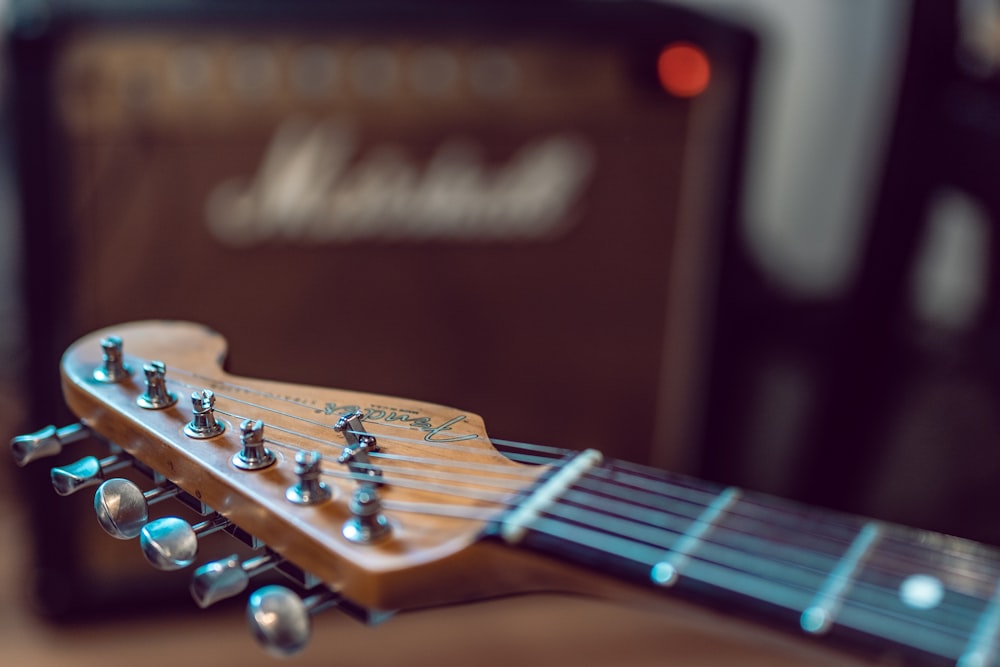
[(949, 283), (821, 119)]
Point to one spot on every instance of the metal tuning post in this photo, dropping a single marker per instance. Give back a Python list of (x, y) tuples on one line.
[(359, 444), (281, 621), (171, 543), (156, 397), (227, 577), (367, 523), (87, 472), (254, 455), (123, 509), (44, 443), (203, 425), (113, 367), (310, 489)]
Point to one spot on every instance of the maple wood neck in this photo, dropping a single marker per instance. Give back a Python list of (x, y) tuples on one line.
[(929, 596), (443, 482)]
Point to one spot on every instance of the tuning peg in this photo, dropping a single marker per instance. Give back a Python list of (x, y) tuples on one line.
[(367, 523), (113, 367), (171, 543), (281, 621), (86, 472), (203, 424), (227, 577), (254, 455), (156, 396), (310, 489), (123, 508), (47, 442)]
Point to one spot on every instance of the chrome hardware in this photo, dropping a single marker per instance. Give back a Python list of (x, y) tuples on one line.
[(87, 472), (123, 509), (354, 431), (310, 490), (368, 523), (113, 367), (227, 577), (204, 425), (156, 397), (171, 543), (359, 443), (47, 442), (281, 621), (254, 454)]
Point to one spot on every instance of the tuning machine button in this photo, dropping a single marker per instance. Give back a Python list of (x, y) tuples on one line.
[(113, 367), (310, 489), (254, 455), (87, 472), (227, 577), (203, 424), (122, 508), (281, 621), (49, 441), (171, 543), (156, 397)]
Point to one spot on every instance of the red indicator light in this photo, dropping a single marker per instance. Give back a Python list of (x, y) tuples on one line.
[(684, 69)]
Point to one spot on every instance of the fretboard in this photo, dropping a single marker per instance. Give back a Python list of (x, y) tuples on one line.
[(860, 581)]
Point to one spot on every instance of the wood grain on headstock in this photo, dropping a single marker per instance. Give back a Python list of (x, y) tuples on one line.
[(428, 559)]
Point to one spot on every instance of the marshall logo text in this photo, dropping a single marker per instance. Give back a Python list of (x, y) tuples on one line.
[(313, 187)]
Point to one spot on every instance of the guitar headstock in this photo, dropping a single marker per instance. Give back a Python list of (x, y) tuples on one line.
[(381, 499)]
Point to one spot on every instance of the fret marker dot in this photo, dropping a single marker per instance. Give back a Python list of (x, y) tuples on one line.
[(815, 620), (663, 574), (921, 591)]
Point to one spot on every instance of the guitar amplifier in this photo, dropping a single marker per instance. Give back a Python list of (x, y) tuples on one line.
[(513, 209)]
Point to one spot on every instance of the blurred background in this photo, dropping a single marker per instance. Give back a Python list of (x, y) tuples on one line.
[(748, 240)]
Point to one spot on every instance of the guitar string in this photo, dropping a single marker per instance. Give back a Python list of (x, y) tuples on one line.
[(624, 545), (325, 443), (819, 560), (432, 443), (650, 480), (642, 495), (326, 426), (553, 450), (948, 641), (420, 442), (556, 451), (829, 521), (462, 492), (632, 537), (737, 551), (697, 507)]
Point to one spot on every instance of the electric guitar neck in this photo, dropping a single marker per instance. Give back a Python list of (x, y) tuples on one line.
[(375, 504)]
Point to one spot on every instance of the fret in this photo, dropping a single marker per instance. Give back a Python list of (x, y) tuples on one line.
[(982, 650), (818, 617), (665, 572)]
